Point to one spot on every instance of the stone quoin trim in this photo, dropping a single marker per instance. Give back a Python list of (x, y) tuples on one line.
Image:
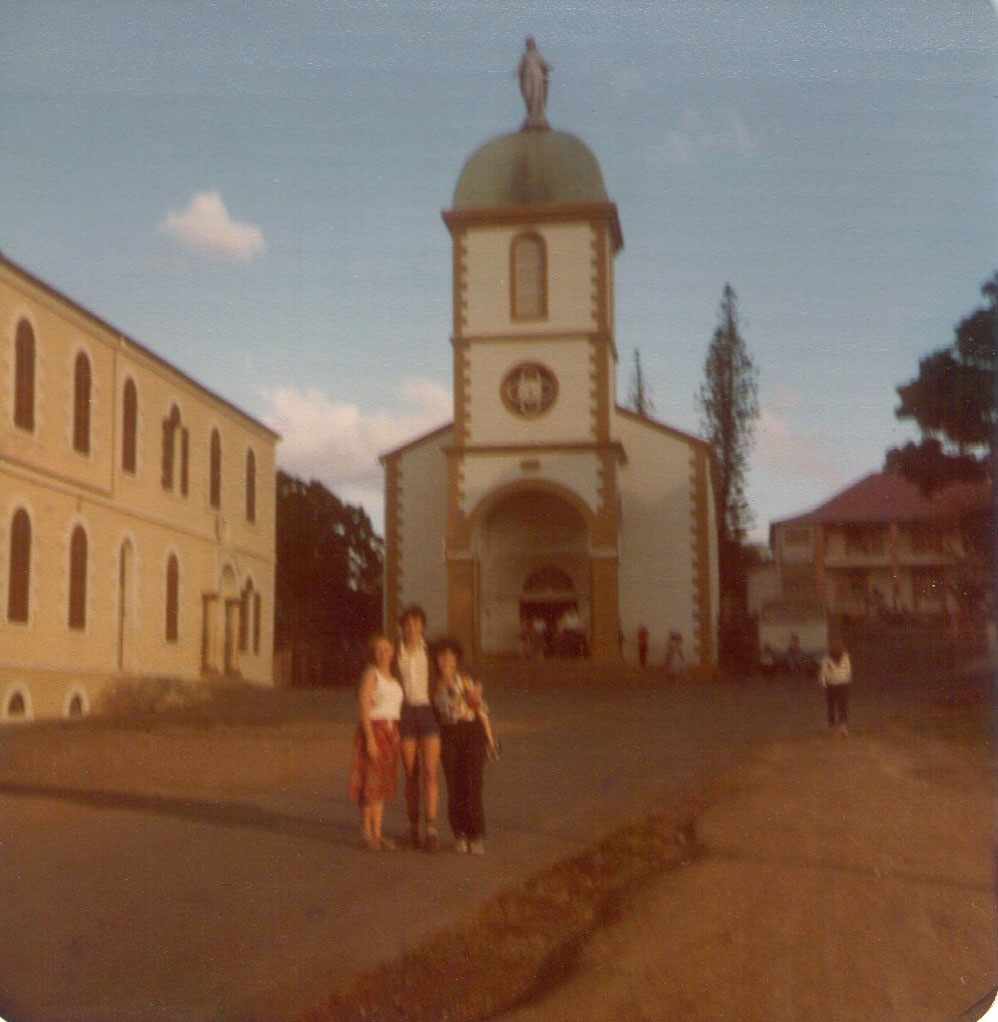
[(700, 559), (461, 385), (393, 541), (460, 277)]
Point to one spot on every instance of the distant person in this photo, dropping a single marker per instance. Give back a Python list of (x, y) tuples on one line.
[(675, 657), (835, 677), (643, 646), (539, 636), (375, 767), (466, 741), (795, 659), (419, 730)]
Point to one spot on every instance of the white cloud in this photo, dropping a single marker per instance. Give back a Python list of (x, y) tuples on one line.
[(205, 226), (338, 444), (700, 136), (781, 445)]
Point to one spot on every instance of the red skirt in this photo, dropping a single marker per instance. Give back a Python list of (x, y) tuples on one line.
[(374, 780)]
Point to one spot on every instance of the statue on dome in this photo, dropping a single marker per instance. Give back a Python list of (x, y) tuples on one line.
[(533, 74)]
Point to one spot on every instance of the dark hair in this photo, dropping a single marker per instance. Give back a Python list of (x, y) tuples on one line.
[(413, 610), (451, 644), (374, 637)]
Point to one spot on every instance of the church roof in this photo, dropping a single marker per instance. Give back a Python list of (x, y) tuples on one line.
[(529, 168)]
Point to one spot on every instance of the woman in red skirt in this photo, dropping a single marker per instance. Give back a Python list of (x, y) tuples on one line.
[(374, 773)]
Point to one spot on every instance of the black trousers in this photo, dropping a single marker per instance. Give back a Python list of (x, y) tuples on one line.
[(837, 697), (462, 753)]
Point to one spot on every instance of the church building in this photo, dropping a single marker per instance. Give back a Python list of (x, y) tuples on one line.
[(544, 495)]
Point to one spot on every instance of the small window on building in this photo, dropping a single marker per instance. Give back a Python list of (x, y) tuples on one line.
[(78, 579), (245, 605), (24, 376), (185, 447), (19, 577), (256, 622), (175, 447), (171, 630), (250, 486), (129, 426), (17, 706), (215, 470), (528, 277), (81, 404)]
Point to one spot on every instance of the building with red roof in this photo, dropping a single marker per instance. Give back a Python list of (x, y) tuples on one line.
[(880, 547)]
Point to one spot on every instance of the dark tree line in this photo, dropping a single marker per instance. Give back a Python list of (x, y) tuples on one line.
[(328, 585), (954, 402)]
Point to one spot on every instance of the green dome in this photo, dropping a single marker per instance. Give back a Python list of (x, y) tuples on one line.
[(529, 168)]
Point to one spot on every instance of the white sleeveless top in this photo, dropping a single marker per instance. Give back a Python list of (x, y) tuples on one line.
[(386, 697)]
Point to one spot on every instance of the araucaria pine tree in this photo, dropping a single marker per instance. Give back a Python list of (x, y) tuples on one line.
[(729, 406)]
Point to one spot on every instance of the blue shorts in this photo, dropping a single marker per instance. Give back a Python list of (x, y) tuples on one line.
[(418, 721)]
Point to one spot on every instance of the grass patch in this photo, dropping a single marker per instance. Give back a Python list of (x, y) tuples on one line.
[(522, 942)]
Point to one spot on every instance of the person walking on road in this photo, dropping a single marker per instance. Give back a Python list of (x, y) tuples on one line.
[(420, 731), (835, 676), (375, 767), (466, 742)]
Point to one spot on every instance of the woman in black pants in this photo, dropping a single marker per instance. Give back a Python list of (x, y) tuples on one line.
[(464, 747)]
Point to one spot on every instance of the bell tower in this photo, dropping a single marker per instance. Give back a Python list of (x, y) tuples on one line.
[(534, 360)]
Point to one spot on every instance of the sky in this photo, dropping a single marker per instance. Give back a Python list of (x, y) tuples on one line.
[(254, 189)]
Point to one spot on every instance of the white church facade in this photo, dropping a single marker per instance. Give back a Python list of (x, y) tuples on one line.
[(543, 494)]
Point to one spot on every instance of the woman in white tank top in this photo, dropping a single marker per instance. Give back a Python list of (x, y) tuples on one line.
[(374, 772)]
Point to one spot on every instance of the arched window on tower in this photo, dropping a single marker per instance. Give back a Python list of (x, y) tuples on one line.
[(19, 574), (24, 376), (215, 470), (528, 277), (78, 579), (129, 426), (81, 404)]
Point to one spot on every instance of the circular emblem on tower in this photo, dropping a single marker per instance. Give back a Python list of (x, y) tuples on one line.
[(529, 389)]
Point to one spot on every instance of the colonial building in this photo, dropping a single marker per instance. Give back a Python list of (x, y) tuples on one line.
[(136, 514), (543, 495), (879, 548)]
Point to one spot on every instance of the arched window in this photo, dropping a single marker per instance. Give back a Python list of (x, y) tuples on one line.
[(81, 404), (215, 470), (129, 426), (78, 579), (19, 579), (256, 622), (172, 598), (245, 607), (528, 277), (250, 486), (24, 376), (175, 444)]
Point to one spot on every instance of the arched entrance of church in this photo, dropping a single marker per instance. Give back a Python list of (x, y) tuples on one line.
[(532, 557)]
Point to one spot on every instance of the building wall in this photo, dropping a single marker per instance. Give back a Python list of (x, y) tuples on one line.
[(418, 513), (61, 488), (658, 569)]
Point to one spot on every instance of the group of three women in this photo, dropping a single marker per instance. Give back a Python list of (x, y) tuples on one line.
[(427, 717)]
